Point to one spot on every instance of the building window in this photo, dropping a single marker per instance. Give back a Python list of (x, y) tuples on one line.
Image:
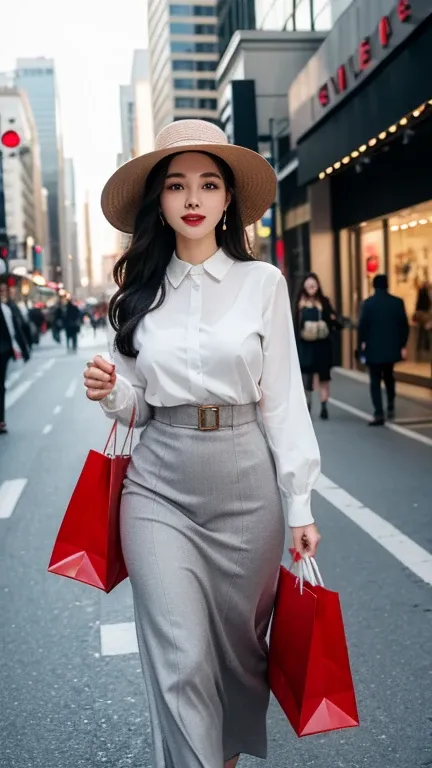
[(205, 85), (192, 10), (183, 83), (182, 102), (322, 16), (179, 28), (183, 66), (303, 15), (194, 66), (206, 66), (191, 84), (207, 103), (191, 46)]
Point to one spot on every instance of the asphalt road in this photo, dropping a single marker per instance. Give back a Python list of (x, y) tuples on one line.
[(67, 701)]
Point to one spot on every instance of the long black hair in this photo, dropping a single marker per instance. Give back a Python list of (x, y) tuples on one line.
[(140, 271), (302, 294)]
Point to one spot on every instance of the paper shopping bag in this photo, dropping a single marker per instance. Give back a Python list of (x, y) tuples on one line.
[(309, 669), (87, 547)]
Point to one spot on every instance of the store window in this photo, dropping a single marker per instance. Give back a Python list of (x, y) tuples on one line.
[(372, 261), (410, 276), (400, 246)]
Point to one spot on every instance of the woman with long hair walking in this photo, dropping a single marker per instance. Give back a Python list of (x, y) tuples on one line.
[(204, 339), (314, 321)]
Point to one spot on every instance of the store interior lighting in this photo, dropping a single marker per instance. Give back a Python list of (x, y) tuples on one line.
[(391, 133)]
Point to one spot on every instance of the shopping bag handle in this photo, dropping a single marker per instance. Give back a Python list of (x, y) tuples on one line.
[(305, 568), (129, 435)]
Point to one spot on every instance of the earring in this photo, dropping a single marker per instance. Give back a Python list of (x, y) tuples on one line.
[(224, 226), (162, 218)]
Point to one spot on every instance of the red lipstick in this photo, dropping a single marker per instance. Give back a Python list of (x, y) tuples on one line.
[(193, 219)]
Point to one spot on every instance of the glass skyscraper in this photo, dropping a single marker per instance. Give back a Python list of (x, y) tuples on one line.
[(37, 78)]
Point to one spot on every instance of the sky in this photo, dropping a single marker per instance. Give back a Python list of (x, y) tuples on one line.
[(92, 43)]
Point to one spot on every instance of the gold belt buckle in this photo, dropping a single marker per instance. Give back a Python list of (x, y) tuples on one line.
[(203, 422)]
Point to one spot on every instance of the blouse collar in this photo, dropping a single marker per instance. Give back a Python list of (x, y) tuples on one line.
[(217, 266)]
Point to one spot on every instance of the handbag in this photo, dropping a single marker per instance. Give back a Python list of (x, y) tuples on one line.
[(88, 547), (308, 668), (314, 330)]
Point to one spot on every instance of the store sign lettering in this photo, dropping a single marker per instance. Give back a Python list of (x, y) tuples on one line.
[(361, 59)]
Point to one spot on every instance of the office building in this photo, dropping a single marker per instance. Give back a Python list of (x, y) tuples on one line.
[(183, 47), (22, 184), (72, 279), (37, 78), (143, 139)]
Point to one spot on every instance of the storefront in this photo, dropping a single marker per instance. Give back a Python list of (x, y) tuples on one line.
[(364, 140)]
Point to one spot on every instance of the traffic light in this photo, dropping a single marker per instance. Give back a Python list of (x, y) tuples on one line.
[(11, 139)]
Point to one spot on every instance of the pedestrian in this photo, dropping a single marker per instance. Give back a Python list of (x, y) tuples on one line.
[(315, 320), (203, 334), (72, 325), (57, 321), (382, 338), (12, 345)]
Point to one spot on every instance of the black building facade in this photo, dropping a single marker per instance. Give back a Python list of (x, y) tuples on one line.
[(233, 15)]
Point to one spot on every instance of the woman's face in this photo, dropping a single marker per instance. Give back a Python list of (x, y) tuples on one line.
[(194, 197), (311, 286)]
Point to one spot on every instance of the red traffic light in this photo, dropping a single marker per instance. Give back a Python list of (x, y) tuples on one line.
[(11, 139)]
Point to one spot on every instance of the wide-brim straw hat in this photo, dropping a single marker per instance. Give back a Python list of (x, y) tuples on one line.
[(255, 179)]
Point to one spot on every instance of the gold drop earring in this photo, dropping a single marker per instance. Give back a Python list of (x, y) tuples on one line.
[(162, 218), (224, 226)]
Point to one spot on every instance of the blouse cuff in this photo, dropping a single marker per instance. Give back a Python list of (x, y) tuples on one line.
[(120, 398), (298, 509)]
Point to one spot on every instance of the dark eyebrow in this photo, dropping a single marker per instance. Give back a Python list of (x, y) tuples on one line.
[(207, 175)]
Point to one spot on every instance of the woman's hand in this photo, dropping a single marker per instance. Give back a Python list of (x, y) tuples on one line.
[(99, 378), (306, 539)]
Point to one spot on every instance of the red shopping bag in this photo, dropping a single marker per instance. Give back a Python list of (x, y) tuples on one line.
[(309, 669), (87, 547)]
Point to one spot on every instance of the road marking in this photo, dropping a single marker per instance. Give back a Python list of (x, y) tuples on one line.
[(48, 365), (71, 389), (410, 554), (46, 430), (17, 393), (118, 639), (58, 409), (394, 427), (10, 492)]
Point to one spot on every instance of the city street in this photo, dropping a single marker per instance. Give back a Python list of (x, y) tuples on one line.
[(70, 680)]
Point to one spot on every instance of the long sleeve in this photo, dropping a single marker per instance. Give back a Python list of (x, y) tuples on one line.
[(128, 393), (284, 411)]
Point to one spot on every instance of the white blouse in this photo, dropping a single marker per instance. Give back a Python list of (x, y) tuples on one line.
[(224, 335)]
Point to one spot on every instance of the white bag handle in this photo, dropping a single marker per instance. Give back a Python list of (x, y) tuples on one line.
[(307, 570)]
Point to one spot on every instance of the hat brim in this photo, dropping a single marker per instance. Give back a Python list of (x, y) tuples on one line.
[(255, 183)]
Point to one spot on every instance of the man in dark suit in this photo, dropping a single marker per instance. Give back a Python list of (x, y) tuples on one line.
[(12, 343), (383, 335)]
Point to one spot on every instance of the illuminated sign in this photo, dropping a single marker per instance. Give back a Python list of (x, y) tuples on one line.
[(369, 50)]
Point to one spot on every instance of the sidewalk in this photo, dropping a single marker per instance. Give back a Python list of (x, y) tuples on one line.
[(350, 393)]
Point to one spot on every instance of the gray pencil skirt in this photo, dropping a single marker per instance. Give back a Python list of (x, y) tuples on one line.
[(202, 531)]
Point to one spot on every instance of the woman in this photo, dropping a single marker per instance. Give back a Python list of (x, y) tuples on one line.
[(12, 344), (203, 335), (315, 319)]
